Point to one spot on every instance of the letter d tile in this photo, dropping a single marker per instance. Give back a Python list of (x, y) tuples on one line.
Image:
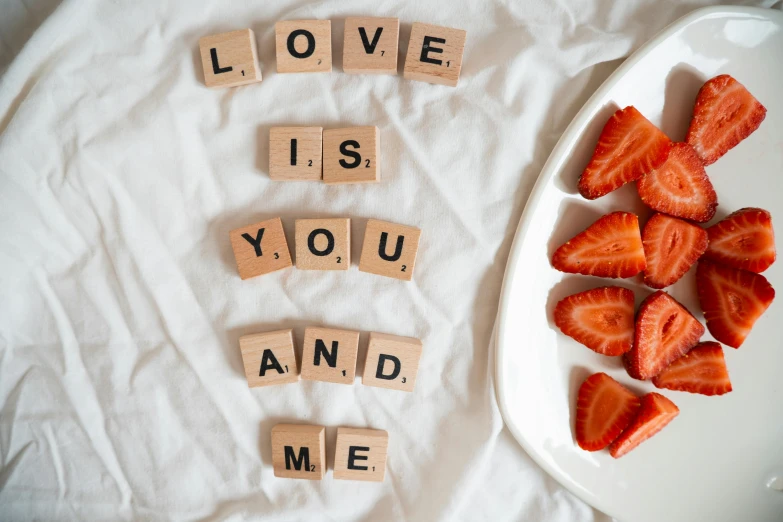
[(392, 362)]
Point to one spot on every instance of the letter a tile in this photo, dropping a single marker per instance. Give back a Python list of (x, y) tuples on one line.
[(389, 249), (392, 362), (269, 358)]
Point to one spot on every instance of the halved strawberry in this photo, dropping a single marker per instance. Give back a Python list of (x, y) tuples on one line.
[(604, 408), (671, 246), (665, 330), (629, 147), (655, 412), (680, 187), (732, 300), (743, 240), (610, 247), (601, 319), (725, 114), (701, 370)]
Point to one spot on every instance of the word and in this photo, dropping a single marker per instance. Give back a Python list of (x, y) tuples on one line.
[(299, 451), (370, 46), (389, 249), (329, 355), (349, 155)]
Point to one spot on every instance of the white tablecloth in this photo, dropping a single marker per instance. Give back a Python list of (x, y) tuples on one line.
[(122, 393)]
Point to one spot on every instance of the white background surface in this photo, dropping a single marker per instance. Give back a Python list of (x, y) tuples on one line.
[(121, 387)]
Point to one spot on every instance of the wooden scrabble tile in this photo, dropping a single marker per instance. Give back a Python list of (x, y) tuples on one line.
[(269, 358), (299, 451), (360, 454), (230, 59), (323, 244), (329, 355), (370, 45), (295, 153), (434, 54), (392, 362), (303, 46), (260, 248), (389, 249), (352, 155)]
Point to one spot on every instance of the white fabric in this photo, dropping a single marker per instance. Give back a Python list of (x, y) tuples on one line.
[(121, 386)]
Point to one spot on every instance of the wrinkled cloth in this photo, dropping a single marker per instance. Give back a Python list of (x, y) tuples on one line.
[(122, 392)]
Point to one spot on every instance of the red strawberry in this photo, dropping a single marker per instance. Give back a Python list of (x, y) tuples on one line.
[(655, 412), (725, 114), (743, 240), (629, 147), (680, 187), (601, 319), (604, 408), (702, 370), (610, 247), (665, 330), (671, 246), (732, 300)]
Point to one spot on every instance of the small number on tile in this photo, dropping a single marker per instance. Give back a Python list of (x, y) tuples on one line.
[(404, 268), (310, 163), (277, 256)]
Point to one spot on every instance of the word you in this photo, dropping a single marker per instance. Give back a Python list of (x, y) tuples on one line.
[(388, 250)]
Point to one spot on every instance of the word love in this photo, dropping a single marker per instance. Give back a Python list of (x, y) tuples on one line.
[(325, 244), (329, 355), (370, 46), (349, 155), (298, 451)]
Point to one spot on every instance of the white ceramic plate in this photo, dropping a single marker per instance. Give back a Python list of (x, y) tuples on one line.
[(722, 458)]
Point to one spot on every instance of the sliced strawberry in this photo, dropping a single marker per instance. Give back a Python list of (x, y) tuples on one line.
[(629, 147), (680, 187), (601, 319), (610, 247), (665, 330), (701, 370), (604, 408), (743, 240), (732, 300), (655, 412), (725, 114), (671, 246)]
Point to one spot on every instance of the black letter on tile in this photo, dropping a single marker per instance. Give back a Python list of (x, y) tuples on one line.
[(329, 242), (379, 372), (269, 362), (397, 249), (352, 457), (215, 67), (257, 241), (357, 158), (290, 456), (369, 48), (427, 49), (310, 43), (293, 151), (320, 349)]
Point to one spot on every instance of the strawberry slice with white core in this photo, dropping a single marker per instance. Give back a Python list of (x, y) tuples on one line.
[(725, 113), (701, 370), (671, 247), (665, 330), (680, 187), (732, 300), (604, 408), (601, 319), (610, 247), (743, 240), (655, 412), (629, 147)]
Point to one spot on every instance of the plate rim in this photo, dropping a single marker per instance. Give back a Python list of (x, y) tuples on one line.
[(568, 139)]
